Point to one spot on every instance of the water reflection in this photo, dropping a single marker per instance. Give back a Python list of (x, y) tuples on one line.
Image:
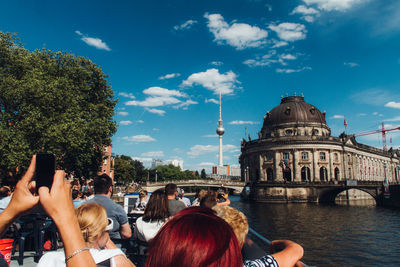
[(331, 235)]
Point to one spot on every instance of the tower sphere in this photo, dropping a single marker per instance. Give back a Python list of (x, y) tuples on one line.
[(220, 130)]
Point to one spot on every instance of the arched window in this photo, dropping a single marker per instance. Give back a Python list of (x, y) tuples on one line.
[(305, 174), (337, 174), (323, 174)]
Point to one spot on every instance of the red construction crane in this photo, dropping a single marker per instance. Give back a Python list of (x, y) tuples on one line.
[(383, 131)]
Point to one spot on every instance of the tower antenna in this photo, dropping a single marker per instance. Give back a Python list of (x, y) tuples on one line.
[(220, 131)]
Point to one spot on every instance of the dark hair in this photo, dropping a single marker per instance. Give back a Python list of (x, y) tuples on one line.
[(75, 194), (209, 200), (170, 189), (102, 183), (4, 191), (195, 237), (157, 207)]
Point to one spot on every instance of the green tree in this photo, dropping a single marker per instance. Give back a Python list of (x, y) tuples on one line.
[(141, 173), (52, 102), (168, 173), (203, 174), (124, 170)]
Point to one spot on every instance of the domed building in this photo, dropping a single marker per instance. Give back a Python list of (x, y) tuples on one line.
[(295, 145)]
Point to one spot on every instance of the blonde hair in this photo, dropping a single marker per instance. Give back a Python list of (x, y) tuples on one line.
[(236, 219), (92, 219)]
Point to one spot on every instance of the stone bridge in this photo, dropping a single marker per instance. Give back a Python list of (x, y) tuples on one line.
[(233, 186), (310, 192)]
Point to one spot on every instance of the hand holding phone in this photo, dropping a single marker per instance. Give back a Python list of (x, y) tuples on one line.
[(45, 169)]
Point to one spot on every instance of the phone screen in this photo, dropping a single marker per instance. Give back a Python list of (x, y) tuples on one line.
[(45, 169)]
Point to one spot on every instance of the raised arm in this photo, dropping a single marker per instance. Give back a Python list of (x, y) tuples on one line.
[(23, 199), (58, 204)]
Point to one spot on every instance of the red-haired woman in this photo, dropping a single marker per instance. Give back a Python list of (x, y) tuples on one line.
[(195, 237)]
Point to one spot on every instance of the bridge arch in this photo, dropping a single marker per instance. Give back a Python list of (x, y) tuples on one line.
[(329, 195)]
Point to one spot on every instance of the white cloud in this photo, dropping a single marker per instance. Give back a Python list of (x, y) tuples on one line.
[(128, 95), (156, 129), (304, 10), (329, 5), (169, 76), (243, 122), (185, 26), (288, 71), (213, 80), (96, 42), (277, 43), (289, 31), (139, 138), (186, 104), (198, 150), (210, 135), (156, 101), (123, 113), (351, 64), (308, 13), (211, 100), (156, 111), (265, 60), (125, 122), (153, 154), (393, 104), (206, 164), (361, 114), (140, 121), (238, 35), (158, 91), (217, 63), (337, 117), (374, 96), (288, 56)]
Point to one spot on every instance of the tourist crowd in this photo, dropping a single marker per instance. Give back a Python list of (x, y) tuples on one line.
[(173, 230)]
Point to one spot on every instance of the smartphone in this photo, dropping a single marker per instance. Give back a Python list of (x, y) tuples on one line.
[(45, 169)]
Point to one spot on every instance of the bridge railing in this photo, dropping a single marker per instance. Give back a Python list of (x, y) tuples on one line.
[(210, 182)]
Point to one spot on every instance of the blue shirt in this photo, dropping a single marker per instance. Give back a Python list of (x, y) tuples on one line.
[(114, 211)]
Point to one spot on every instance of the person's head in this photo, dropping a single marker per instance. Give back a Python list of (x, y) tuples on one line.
[(157, 207), (92, 219), (75, 184), (171, 189), (143, 195), (202, 193), (75, 194), (180, 192), (236, 219), (103, 184), (195, 237), (209, 200), (5, 191)]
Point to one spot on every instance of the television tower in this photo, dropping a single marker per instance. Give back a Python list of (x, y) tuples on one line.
[(220, 132)]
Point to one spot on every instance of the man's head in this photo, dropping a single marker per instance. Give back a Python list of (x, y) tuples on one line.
[(103, 185), (171, 190), (75, 194)]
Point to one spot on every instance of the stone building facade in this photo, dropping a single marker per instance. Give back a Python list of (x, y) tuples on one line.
[(295, 145)]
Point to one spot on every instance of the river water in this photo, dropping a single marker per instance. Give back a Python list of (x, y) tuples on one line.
[(331, 235)]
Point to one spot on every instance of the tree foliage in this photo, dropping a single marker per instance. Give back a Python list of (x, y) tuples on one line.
[(127, 170), (52, 102)]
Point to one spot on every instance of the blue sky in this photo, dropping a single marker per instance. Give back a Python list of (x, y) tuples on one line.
[(168, 60)]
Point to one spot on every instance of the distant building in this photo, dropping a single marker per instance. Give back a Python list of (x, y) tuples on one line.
[(226, 171), (295, 145), (176, 163), (107, 166), (156, 162)]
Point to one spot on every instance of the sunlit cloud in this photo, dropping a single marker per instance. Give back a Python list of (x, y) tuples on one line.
[(95, 42), (213, 80), (139, 138), (169, 76), (238, 35), (289, 32), (185, 26), (125, 123), (393, 104)]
